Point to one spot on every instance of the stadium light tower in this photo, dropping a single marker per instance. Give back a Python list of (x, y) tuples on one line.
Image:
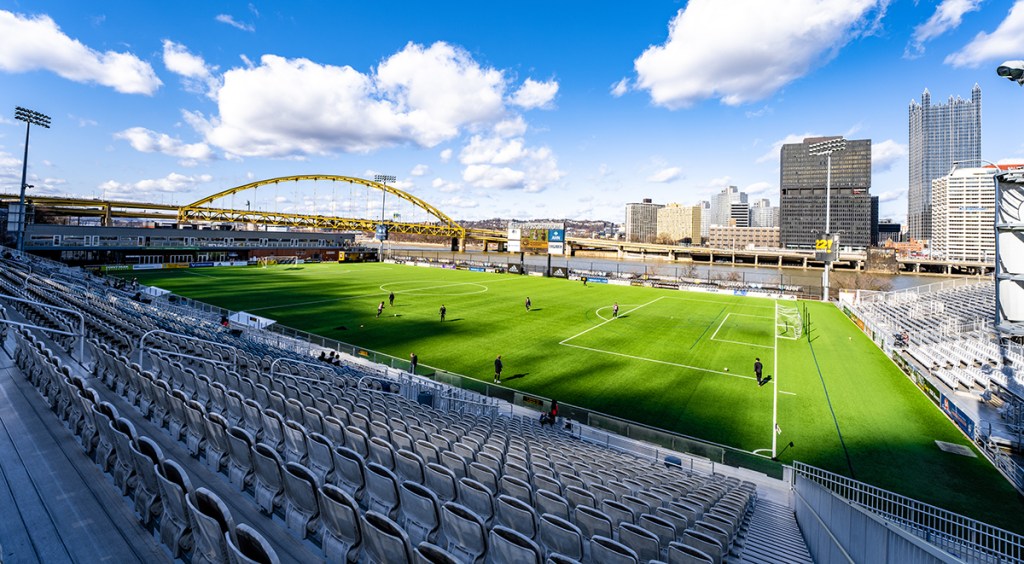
[(827, 148), (30, 117), (382, 232), (1012, 70)]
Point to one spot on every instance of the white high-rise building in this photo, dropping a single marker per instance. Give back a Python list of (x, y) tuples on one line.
[(642, 221), (963, 215), (939, 136), (705, 219), (763, 214), (722, 209)]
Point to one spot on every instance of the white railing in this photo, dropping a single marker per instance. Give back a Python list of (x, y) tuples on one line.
[(968, 539)]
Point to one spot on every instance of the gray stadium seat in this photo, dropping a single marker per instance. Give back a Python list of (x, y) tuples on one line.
[(249, 547), (124, 466), (313, 420), (175, 526), (216, 441), (195, 427), (269, 483), (455, 463), (465, 532), (679, 553), (240, 467), (477, 498), (442, 481), (211, 521), (517, 488), (340, 530), (518, 515), (428, 553), (592, 522), (604, 550), (636, 505), (706, 544), (660, 527), (294, 443), (578, 496), (381, 452), (508, 546), (381, 490), (349, 471), (483, 474), (680, 521), (356, 439), (104, 413), (561, 536), (409, 466), (273, 429), (617, 512), (145, 455), (542, 482), (252, 418), (427, 451), (384, 542), (301, 507), (420, 514), (321, 459), (550, 502), (643, 542), (716, 532), (334, 429)]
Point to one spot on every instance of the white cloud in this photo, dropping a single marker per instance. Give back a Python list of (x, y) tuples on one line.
[(533, 94), (285, 107), (507, 164), (30, 43), (717, 49), (493, 150), (445, 155), (620, 88), (147, 141), (775, 153), (666, 175), (227, 19), (1007, 41), (948, 16), (459, 202), (891, 195), (489, 176), (886, 154), (760, 188), (83, 122), (419, 170), (510, 127), (173, 183), (197, 75), (442, 185)]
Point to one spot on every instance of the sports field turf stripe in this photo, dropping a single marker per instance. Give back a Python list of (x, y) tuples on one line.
[(360, 296), (849, 463), (609, 320), (708, 327)]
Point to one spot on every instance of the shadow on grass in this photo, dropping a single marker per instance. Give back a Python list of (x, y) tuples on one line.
[(765, 380), (514, 376)]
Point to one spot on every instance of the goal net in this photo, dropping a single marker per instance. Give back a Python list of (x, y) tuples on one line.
[(273, 260), (788, 321)]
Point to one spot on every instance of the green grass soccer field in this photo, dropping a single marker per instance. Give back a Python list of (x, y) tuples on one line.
[(678, 361)]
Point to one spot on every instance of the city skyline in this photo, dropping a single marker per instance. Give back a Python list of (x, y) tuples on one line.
[(483, 112)]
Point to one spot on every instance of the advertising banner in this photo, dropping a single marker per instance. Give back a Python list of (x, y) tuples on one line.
[(556, 248), (556, 235), (597, 280), (200, 264), (959, 417), (147, 266), (477, 269), (559, 272)]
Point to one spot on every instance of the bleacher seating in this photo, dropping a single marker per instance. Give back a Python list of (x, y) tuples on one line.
[(340, 456)]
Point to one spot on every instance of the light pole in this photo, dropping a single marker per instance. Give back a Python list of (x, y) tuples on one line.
[(827, 148), (381, 229), (30, 118)]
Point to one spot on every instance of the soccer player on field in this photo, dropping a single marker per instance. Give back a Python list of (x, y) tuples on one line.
[(527, 303), (380, 308)]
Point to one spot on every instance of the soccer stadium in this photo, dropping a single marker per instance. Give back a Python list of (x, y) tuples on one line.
[(349, 282), (280, 407)]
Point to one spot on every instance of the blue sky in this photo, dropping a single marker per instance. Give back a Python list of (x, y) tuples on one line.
[(527, 109)]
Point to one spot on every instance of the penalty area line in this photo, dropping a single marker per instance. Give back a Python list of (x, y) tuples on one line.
[(665, 362), (609, 320)]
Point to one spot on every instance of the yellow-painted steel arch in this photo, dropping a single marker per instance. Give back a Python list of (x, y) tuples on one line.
[(200, 210)]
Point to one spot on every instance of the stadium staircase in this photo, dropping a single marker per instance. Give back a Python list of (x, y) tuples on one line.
[(215, 457)]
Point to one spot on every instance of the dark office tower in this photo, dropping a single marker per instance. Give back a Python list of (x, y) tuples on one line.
[(802, 194), (939, 136)]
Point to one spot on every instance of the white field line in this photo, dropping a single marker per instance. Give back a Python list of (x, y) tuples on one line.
[(279, 306), (665, 362), (724, 319), (189, 271), (775, 385), (609, 320)]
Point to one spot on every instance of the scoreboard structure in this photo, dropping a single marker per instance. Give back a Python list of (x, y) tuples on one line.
[(541, 238)]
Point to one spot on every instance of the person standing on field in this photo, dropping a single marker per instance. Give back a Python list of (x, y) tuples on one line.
[(615, 310), (413, 361), (442, 311), (757, 370), (497, 369), (527, 303), (391, 299)]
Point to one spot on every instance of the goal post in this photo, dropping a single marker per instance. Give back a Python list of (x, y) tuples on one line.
[(273, 260), (788, 321)]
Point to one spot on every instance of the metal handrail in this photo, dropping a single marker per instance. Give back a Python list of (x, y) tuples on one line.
[(81, 320), (142, 341)]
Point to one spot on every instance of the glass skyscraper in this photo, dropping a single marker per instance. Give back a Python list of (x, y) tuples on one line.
[(939, 136)]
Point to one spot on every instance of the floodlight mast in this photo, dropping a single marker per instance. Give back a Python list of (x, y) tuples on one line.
[(30, 117), (826, 148), (382, 179), (1012, 70)]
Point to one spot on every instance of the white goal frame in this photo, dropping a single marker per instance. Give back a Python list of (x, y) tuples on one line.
[(788, 321), (273, 260)]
